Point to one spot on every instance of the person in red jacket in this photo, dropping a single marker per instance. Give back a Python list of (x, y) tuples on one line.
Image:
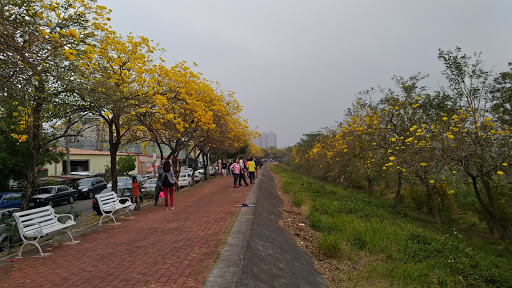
[(135, 192)]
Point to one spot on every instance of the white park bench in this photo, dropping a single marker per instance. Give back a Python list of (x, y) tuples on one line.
[(110, 203), (36, 223)]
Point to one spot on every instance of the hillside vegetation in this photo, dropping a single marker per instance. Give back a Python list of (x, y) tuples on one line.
[(394, 247)]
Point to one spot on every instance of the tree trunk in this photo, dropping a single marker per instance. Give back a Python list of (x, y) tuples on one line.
[(205, 165), (369, 187), (114, 147), (433, 202), (489, 209), (398, 193), (68, 160), (34, 135)]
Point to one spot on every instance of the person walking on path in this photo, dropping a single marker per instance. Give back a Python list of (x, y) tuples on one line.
[(242, 172), (257, 163), (168, 181), (235, 169), (135, 192), (158, 187), (224, 167), (251, 167)]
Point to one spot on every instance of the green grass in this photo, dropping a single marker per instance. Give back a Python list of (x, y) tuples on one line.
[(399, 250)]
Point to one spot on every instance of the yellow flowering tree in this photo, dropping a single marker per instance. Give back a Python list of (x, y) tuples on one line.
[(116, 68), (40, 43), (472, 138)]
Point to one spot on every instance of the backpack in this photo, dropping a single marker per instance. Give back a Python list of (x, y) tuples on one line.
[(166, 182)]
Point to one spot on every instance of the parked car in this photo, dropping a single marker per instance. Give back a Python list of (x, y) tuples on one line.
[(189, 170), (142, 179), (122, 191), (211, 171), (88, 187), (150, 185), (185, 179), (9, 234), (53, 195), (120, 181), (84, 173), (10, 200), (199, 175)]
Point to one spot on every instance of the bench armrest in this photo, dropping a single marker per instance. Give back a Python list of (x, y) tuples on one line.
[(69, 215), (129, 200)]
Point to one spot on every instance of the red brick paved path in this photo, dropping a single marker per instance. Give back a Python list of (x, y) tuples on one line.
[(157, 248)]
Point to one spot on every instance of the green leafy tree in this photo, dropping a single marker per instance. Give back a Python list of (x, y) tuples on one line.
[(126, 164)]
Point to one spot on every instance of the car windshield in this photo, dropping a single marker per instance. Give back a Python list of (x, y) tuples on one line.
[(85, 182), (183, 174), (124, 183), (151, 181), (125, 192), (45, 190)]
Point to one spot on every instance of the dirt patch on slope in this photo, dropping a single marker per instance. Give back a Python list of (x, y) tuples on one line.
[(337, 272)]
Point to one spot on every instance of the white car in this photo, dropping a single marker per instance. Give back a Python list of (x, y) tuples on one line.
[(189, 170), (211, 170), (150, 185), (185, 179), (199, 175)]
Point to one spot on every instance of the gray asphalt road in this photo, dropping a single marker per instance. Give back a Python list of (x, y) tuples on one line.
[(259, 251)]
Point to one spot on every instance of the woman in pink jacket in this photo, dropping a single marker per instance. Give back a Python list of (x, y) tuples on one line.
[(235, 167)]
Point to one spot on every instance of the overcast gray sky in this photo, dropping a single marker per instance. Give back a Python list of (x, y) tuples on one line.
[(296, 65)]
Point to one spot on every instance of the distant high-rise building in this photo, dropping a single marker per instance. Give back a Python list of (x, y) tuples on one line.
[(266, 139)]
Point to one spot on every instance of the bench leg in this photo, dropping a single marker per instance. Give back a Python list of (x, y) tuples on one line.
[(41, 254), (129, 215), (72, 240), (110, 215)]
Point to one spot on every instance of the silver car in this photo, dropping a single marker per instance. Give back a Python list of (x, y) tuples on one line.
[(150, 185)]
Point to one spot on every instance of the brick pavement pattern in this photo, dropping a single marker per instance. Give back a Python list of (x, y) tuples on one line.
[(157, 248)]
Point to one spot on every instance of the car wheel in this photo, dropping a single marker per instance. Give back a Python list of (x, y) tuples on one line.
[(71, 199), (50, 203), (4, 244), (99, 212), (91, 195)]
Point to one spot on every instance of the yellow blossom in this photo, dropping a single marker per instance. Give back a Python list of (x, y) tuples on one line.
[(423, 164), (499, 172)]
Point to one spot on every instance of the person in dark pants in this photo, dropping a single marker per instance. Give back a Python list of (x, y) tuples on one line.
[(251, 167), (159, 179), (242, 173)]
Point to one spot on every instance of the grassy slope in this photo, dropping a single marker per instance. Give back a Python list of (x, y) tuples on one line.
[(391, 248)]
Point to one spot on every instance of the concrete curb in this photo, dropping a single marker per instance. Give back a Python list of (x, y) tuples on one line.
[(227, 270)]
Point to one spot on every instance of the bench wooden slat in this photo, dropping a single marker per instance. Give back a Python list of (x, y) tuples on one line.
[(27, 217), (33, 221)]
